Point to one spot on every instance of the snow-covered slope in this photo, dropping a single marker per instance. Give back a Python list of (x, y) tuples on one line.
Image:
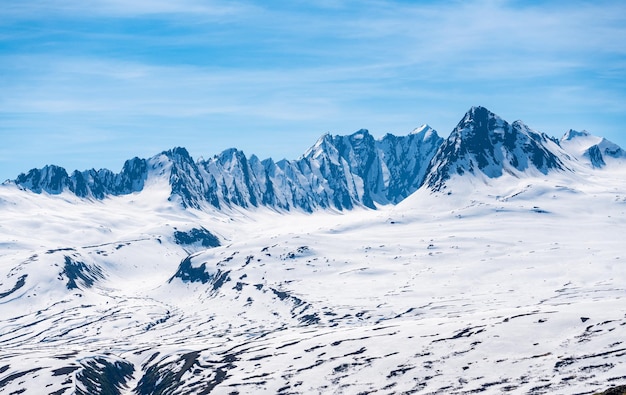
[(516, 288), (194, 278)]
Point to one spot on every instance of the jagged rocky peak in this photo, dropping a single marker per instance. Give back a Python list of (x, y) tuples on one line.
[(323, 146), (425, 127), (230, 156), (179, 156), (477, 116), (405, 160), (480, 128), (190, 185), (484, 144), (333, 146), (426, 131), (50, 178), (132, 177)]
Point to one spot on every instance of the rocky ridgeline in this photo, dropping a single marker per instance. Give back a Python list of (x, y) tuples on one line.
[(339, 172)]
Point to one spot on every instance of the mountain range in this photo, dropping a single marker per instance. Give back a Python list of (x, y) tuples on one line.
[(488, 262), (342, 172)]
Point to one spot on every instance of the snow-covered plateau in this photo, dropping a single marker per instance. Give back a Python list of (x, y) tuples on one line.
[(505, 280)]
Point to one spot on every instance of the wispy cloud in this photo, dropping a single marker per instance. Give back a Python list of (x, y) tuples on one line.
[(44, 9), (458, 37)]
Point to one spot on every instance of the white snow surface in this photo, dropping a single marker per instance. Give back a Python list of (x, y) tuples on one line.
[(509, 285)]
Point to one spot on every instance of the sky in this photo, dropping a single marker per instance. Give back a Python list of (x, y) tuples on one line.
[(89, 84)]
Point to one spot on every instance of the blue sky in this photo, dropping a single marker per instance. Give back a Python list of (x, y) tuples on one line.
[(92, 83)]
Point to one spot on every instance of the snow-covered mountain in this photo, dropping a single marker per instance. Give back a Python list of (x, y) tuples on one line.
[(483, 144), (591, 149), (236, 275), (342, 172), (338, 171)]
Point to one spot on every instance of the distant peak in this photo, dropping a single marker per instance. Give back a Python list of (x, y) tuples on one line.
[(422, 129), (572, 134), (177, 152), (319, 145), (477, 121), (228, 152), (478, 117), (325, 137), (231, 154), (479, 112), (425, 132)]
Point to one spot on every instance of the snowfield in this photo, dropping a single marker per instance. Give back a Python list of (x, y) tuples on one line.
[(509, 285)]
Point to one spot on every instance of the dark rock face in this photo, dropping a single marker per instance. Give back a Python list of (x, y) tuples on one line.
[(189, 274), (19, 284), (103, 376), (595, 156), (619, 390), (168, 377), (187, 181), (131, 178), (196, 235), (76, 271)]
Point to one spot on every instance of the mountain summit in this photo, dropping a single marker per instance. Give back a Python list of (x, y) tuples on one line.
[(484, 144), (341, 172)]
